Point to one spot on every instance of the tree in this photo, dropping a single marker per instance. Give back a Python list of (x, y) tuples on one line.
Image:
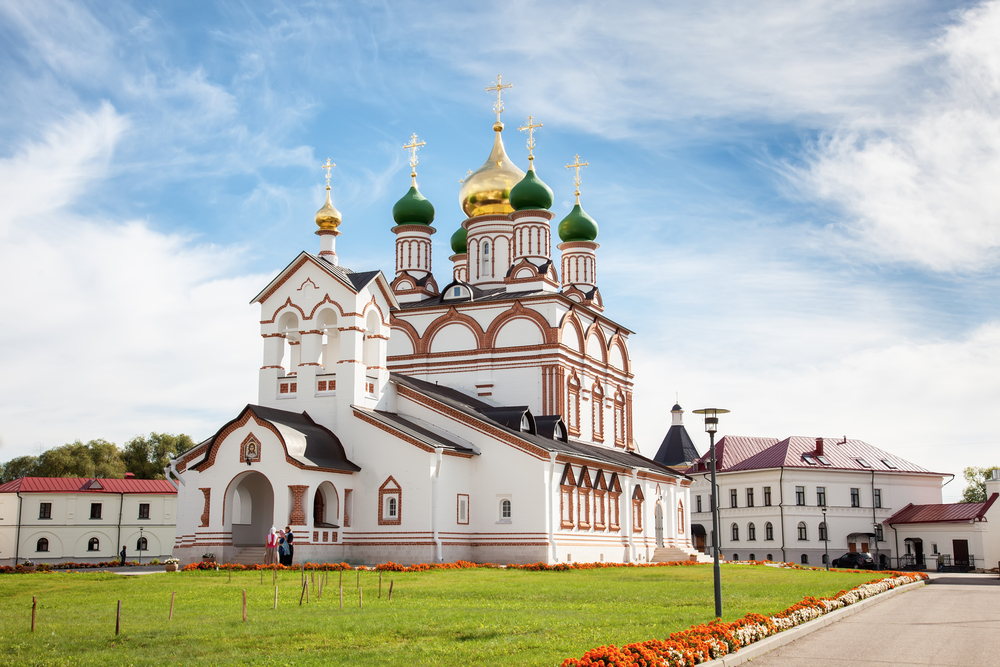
[(97, 458), (975, 489), (146, 457), (21, 466)]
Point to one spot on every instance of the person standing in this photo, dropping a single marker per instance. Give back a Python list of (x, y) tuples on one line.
[(288, 542), (271, 550), (122, 554)]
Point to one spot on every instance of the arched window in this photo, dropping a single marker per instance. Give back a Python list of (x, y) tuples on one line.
[(94, 544), (805, 559), (822, 531), (573, 405), (735, 557), (505, 509), (619, 418), (753, 556), (597, 411), (141, 544), (736, 533), (768, 532), (769, 557), (42, 544), (803, 531), (392, 507), (487, 263), (390, 497), (751, 532)]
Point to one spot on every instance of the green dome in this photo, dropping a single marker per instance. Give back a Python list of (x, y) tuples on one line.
[(459, 241), (531, 193), (577, 226), (413, 209)]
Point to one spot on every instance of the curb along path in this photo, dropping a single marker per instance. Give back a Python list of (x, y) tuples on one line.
[(763, 646)]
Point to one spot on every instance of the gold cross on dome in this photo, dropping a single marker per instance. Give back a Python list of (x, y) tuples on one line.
[(576, 181), (467, 174), (412, 147), (531, 137), (498, 89), (328, 166)]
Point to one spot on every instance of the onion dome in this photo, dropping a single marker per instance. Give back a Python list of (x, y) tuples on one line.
[(488, 189), (577, 226), (328, 217), (531, 193), (413, 209), (459, 241)]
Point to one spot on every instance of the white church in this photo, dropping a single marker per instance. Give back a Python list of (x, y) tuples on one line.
[(488, 420)]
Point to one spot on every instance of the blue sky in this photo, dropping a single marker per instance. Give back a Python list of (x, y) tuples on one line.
[(798, 202)]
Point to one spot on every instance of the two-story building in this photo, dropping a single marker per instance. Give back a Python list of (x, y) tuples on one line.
[(801, 498), (60, 519)]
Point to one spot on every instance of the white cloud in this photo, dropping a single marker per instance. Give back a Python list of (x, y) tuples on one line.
[(112, 329), (920, 186)]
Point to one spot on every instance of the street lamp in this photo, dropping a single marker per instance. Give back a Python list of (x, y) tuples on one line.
[(711, 426), (141, 545), (826, 539)]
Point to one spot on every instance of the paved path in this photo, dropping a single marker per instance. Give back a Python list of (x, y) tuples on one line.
[(955, 620)]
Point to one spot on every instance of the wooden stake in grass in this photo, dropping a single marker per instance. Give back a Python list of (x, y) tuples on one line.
[(276, 598), (244, 605), (34, 604), (341, 578), (379, 585), (118, 618), (361, 603), (319, 595), (170, 616), (230, 575), (303, 596), (341, 598), (262, 577), (390, 590), (274, 576), (359, 579)]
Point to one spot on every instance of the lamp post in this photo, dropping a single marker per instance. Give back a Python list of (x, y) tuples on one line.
[(826, 540), (711, 426), (141, 545)]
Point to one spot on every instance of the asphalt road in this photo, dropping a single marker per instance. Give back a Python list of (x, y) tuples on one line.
[(955, 620)]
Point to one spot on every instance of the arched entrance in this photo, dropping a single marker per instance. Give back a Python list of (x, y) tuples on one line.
[(699, 535), (658, 517), (249, 509), (326, 506)]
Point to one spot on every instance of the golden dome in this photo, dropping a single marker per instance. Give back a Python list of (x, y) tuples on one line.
[(487, 190), (328, 217)]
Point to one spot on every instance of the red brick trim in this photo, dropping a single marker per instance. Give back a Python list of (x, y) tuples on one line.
[(518, 311), (206, 513), (452, 316), (297, 515), (385, 490)]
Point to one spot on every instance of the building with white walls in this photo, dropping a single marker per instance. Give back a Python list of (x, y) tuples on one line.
[(490, 420), (68, 519), (773, 494)]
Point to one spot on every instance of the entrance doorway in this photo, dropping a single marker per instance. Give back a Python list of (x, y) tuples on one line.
[(658, 516), (249, 509), (960, 549)]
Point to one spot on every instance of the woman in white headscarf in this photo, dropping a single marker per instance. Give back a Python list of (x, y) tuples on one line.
[(271, 551)]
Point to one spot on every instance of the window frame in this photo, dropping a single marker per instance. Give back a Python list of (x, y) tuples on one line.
[(697, 500), (144, 511), (749, 496), (462, 502), (506, 510), (877, 498), (767, 496), (93, 544), (45, 511), (734, 497), (768, 532), (803, 531), (39, 545), (800, 496), (751, 533), (855, 497), (821, 496), (735, 532), (96, 511)]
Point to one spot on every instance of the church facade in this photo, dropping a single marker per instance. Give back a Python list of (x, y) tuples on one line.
[(488, 419)]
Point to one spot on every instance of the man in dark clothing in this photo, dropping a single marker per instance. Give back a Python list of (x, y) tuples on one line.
[(288, 540), (123, 555)]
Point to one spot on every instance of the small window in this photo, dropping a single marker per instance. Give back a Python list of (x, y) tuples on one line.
[(94, 544), (732, 498), (735, 557), (141, 544), (95, 510), (769, 557), (505, 509), (803, 531), (751, 533), (864, 463), (44, 510), (143, 510), (822, 531), (855, 498), (879, 537), (768, 534), (558, 433), (800, 495), (878, 498), (821, 496), (889, 464), (808, 459), (736, 533), (463, 508), (805, 559), (456, 292), (525, 423), (825, 461), (42, 544), (392, 507), (753, 556), (933, 547), (697, 502), (825, 559), (750, 497), (767, 496)]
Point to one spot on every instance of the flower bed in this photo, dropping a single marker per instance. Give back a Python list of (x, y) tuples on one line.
[(709, 641), (48, 567)]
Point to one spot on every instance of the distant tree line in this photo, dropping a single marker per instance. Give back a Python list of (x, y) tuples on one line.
[(975, 484), (143, 456)]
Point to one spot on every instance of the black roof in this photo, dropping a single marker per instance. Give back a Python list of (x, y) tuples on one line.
[(414, 430), (676, 447), (477, 409)]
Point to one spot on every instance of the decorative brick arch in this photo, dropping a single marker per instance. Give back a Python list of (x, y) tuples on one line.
[(404, 327), (596, 330), (452, 316), (287, 304), (390, 488), (618, 340), (326, 300), (517, 311), (381, 315), (573, 319)]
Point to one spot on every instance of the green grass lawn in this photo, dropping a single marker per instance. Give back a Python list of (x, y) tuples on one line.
[(452, 617)]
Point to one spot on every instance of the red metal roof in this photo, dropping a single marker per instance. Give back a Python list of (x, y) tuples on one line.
[(83, 485), (746, 453), (956, 512)]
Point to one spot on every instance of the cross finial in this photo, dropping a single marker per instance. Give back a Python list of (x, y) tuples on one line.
[(328, 166), (531, 137), (576, 181), (467, 174), (498, 89), (412, 147)]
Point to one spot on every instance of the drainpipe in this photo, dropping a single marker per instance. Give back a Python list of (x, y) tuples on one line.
[(631, 514), (874, 520), (550, 505), (781, 508), (439, 456), (17, 538)]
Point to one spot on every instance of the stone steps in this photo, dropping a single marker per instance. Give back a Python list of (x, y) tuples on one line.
[(669, 554), (248, 556)]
